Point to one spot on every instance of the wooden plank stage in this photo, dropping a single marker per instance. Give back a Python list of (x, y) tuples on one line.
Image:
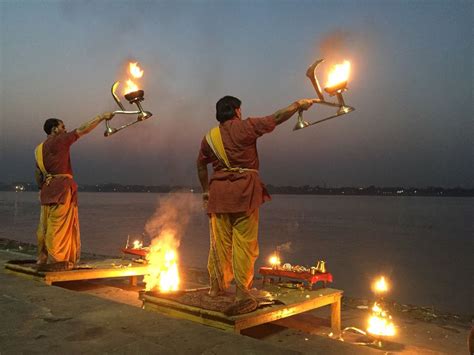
[(292, 302), (87, 270)]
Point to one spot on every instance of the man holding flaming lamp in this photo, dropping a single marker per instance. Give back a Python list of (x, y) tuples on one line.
[(59, 243), (234, 192)]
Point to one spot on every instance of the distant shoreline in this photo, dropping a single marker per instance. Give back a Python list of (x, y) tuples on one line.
[(276, 190)]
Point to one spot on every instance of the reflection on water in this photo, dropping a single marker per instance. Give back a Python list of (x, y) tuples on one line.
[(423, 244)]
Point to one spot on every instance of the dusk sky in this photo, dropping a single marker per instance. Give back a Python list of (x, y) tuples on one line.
[(411, 84)]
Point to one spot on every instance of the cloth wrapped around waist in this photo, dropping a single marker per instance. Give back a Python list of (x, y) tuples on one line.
[(234, 174)]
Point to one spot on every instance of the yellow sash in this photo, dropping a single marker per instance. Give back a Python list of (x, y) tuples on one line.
[(39, 161), (214, 139)]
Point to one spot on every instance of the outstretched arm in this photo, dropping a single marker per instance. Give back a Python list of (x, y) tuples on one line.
[(285, 113), (90, 125)]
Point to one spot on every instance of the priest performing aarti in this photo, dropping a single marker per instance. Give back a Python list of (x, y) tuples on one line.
[(234, 193), (59, 242)]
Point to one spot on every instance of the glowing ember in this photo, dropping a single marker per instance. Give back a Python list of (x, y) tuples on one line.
[(380, 285), (135, 70), (274, 261), (163, 263), (137, 244), (339, 74), (380, 322)]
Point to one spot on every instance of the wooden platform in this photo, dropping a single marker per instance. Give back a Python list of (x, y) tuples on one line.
[(294, 302), (94, 269)]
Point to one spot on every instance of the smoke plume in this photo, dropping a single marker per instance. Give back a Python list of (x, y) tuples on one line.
[(171, 217)]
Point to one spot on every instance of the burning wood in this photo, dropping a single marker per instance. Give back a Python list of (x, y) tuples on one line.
[(162, 260), (380, 322)]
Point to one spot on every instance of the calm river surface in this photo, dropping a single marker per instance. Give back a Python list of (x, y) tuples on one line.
[(423, 244)]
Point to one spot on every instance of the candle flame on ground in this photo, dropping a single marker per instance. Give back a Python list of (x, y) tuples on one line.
[(380, 285), (274, 260), (338, 74)]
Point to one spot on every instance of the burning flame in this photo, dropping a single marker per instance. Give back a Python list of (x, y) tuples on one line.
[(380, 322), (131, 87), (163, 264), (274, 260), (380, 286), (339, 74), (136, 72), (137, 244)]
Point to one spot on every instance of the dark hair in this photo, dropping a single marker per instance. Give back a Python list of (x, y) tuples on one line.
[(225, 108), (50, 123)]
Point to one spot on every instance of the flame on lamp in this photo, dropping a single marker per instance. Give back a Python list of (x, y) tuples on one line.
[(338, 74), (380, 285), (163, 264), (274, 261), (137, 244), (136, 72)]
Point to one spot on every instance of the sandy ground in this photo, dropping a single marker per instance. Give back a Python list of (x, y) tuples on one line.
[(419, 330)]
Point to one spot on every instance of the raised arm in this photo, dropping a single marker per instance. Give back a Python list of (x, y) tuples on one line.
[(284, 114), (93, 123)]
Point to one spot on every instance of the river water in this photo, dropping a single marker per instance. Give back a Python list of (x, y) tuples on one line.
[(424, 245)]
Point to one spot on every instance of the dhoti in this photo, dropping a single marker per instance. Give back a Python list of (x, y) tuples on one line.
[(234, 248), (58, 232)]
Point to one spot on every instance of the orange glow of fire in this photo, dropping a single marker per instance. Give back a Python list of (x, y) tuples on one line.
[(274, 260), (380, 285), (380, 322), (131, 87), (137, 244), (163, 264), (338, 74), (136, 72)]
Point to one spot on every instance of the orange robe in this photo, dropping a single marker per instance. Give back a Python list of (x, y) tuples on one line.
[(235, 193), (58, 232)]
